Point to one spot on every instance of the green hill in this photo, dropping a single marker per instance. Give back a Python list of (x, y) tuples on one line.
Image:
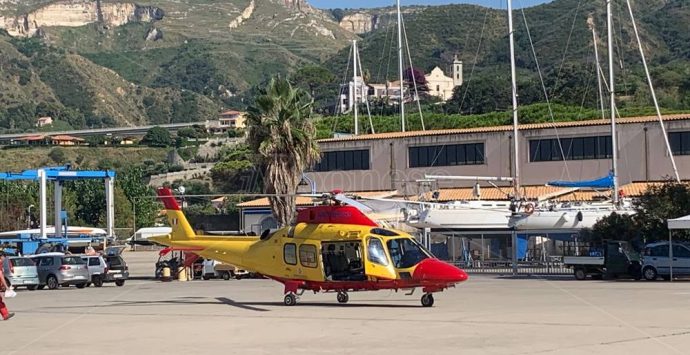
[(114, 62), (562, 41)]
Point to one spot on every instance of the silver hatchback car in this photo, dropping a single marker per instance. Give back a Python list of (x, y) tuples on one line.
[(21, 272), (56, 269)]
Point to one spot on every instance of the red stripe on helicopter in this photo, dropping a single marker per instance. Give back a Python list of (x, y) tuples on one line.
[(166, 196), (334, 215)]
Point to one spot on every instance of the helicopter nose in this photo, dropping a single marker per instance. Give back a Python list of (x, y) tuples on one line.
[(437, 270)]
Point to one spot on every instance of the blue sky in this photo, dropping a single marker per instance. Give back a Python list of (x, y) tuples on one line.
[(329, 4)]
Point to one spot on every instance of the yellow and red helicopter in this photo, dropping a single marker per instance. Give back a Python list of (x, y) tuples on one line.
[(331, 248)]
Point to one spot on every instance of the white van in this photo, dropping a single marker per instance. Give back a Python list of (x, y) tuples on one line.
[(656, 261), (141, 236)]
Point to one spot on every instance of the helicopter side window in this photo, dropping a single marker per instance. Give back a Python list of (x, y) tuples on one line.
[(307, 255), (375, 252), (290, 254)]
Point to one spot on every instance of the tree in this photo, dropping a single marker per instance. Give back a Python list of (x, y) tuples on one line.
[(157, 137), (139, 195), (321, 84), (282, 134), (338, 14), (419, 79), (57, 155), (660, 203), (615, 226), (187, 132), (653, 209)]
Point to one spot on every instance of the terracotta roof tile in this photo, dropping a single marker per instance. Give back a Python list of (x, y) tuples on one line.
[(66, 138), (306, 201), (530, 126), (535, 192)]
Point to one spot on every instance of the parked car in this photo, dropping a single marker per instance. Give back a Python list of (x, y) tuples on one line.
[(214, 269), (657, 263), (118, 271), (57, 269), (20, 272), (98, 269)]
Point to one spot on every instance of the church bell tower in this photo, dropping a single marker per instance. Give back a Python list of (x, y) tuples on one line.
[(457, 71)]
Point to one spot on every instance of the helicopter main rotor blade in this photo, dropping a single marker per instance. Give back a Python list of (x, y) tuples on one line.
[(349, 201)]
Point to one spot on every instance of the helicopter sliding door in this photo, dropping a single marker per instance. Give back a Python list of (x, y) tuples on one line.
[(342, 261), (377, 264)]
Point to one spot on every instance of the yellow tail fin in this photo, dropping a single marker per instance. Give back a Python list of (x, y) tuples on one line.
[(181, 229)]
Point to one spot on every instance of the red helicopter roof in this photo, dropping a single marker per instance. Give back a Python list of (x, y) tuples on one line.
[(335, 214)]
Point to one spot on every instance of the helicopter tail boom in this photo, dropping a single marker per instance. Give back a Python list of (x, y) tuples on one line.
[(181, 229)]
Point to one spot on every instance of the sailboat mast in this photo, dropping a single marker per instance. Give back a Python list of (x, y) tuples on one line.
[(400, 67), (612, 92), (516, 152), (354, 84), (598, 69)]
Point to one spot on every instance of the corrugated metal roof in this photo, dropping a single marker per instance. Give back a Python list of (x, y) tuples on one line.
[(530, 126)]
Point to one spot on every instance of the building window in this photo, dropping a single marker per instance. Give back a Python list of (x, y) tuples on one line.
[(438, 88), (680, 143), (307, 255), (579, 148), (344, 160), (447, 155), (290, 254)]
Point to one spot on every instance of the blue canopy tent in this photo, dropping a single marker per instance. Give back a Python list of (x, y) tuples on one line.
[(605, 182)]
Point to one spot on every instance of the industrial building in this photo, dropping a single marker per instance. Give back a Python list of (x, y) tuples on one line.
[(548, 151)]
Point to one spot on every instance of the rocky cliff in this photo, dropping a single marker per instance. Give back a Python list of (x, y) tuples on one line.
[(360, 23), (365, 21), (76, 13)]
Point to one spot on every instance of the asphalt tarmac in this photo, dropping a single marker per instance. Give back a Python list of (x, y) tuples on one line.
[(486, 315)]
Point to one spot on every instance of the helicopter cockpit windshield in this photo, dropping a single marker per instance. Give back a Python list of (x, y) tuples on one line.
[(406, 252)]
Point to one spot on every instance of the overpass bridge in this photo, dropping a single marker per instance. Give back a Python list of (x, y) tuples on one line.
[(120, 131)]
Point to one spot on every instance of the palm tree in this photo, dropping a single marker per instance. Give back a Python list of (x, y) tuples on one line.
[(281, 132)]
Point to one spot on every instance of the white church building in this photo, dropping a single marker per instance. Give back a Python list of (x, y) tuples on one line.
[(439, 85), (442, 86)]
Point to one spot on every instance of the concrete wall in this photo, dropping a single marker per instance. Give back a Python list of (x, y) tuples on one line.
[(642, 156), (158, 180)]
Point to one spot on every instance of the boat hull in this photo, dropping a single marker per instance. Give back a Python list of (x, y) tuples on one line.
[(561, 219), (469, 216)]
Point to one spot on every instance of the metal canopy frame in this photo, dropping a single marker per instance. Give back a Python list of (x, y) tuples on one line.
[(58, 175)]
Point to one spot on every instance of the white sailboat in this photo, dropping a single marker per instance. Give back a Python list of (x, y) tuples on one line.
[(577, 215), (478, 214), (464, 215)]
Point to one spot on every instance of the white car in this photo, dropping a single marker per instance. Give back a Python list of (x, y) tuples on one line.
[(656, 261), (98, 269)]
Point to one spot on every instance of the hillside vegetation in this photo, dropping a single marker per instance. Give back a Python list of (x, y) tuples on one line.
[(562, 41), (18, 159), (196, 57), (201, 59)]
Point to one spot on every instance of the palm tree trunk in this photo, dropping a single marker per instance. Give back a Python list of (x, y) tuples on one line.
[(280, 172)]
